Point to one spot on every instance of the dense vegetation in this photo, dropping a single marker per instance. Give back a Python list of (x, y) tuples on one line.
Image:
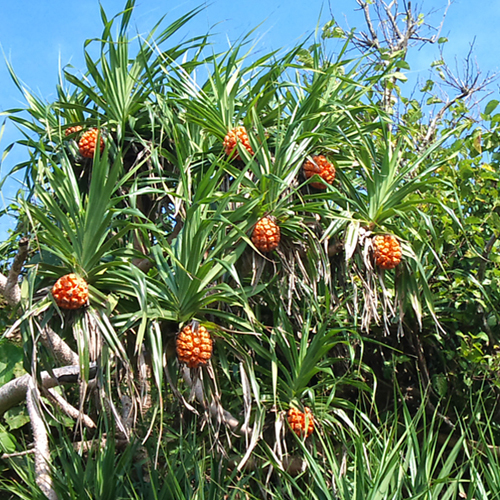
[(398, 366)]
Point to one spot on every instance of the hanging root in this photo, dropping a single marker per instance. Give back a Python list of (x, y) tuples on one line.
[(216, 410)]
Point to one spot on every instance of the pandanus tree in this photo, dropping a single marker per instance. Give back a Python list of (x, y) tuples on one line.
[(210, 236)]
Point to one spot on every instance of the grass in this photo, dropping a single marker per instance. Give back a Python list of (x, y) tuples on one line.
[(402, 454)]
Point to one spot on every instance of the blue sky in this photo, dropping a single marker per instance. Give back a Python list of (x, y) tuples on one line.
[(39, 37)]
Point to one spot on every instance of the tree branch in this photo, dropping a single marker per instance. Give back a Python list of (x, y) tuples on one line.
[(395, 28), (15, 391), (392, 32), (373, 42), (6, 456), (40, 440), (431, 130), (69, 409), (9, 286), (466, 86), (61, 350), (485, 256)]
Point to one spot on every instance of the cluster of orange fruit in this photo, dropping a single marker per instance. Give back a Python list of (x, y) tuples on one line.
[(194, 347), (71, 292), (302, 423), (88, 140), (233, 137), (386, 251), (194, 344), (317, 165), (266, 234)]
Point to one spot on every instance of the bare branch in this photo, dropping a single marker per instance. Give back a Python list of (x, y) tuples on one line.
[(14, 391), (61, 350), (40, 440), (411, 28), (99, 445), (470, 83), (6, 456), (395, 28), (69, 409), (373, 42), (440, 27), (9, 286), (390, 32), (431, 130)]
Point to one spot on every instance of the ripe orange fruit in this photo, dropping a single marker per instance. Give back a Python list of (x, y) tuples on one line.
[(266, 235), (386, 251), (297, 421), (70, 292), (234, 136), (194, 345), (72, 130), (321, 166), (88, 142)]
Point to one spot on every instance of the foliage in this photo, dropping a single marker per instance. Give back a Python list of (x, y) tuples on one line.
[(159, 224)]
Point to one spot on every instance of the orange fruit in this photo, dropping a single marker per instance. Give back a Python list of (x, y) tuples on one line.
[(386, 251), (299, 420), (88, 143), (321, 166), (234, 136), (70, 292), (266, 235), (194, 345), (72, 130)]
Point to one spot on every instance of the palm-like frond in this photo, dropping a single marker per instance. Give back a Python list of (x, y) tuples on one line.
[(160, 224)]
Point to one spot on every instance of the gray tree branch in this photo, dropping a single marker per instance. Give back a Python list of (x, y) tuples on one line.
[(40, 440), (466, 83), (9, 285), (13, 392), (373, 41), (69, 409), (61, 350), (431, 130)]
